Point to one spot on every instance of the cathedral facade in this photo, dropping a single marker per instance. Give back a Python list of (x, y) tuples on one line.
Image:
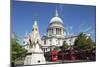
[(56, 35)]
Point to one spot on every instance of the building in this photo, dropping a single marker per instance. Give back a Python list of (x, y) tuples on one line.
[(56, 35)]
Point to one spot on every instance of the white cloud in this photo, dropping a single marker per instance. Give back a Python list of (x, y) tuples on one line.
[(88, 29), (69, 31), (84, 28), (70, 27)]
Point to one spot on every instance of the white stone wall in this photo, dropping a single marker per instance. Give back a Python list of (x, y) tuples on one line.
[(61, 42), (38, 59), (57, 25), (70, 41), (27, 60)]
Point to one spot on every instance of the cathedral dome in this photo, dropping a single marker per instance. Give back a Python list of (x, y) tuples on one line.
[(56, 26), (56, 19)]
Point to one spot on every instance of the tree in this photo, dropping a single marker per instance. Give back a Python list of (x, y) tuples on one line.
[(83, 42), (17, 50), (65, 45), (56, 48)]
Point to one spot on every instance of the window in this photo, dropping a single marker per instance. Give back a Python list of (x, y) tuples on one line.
[(50, 41)]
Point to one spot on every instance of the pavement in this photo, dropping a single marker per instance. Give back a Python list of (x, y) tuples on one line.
[(66, 61)]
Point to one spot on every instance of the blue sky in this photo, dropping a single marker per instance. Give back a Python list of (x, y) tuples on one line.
[(76, 18)]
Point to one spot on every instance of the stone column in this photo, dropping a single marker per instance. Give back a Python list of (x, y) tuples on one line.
[(54, 30), (58, 30), (62, 31)]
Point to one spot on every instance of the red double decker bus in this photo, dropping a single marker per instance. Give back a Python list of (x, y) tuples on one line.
[(54, 55)]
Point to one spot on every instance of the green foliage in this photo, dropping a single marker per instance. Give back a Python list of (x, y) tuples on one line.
[(17, 50), (94, 45), (83, 42), (65, 45), (57, 48)]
